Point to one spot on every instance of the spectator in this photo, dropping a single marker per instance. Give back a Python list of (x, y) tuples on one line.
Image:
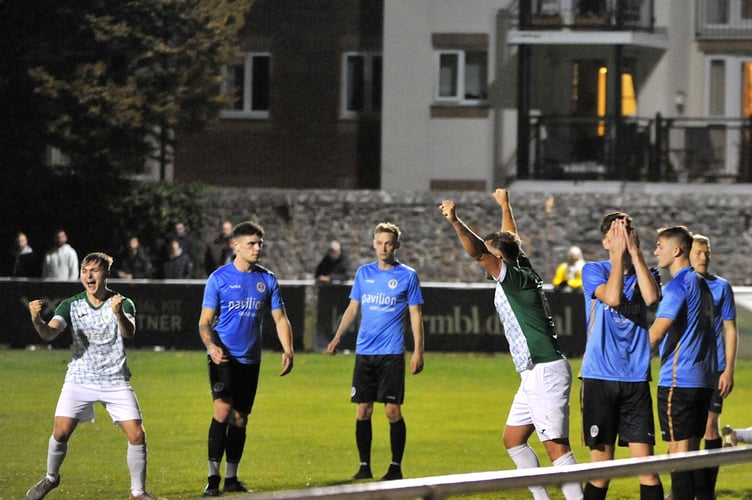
[(187, 243), (219, 252), (22, 262), (61, 261), (177, 264), (334, 266), (134, 263), (568, 276)]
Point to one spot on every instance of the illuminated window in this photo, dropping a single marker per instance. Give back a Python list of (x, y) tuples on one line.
[(747, 89)]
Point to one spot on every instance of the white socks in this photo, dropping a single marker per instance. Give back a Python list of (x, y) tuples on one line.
[(572, 491), (525, 458), (136, 459), (55, 455)]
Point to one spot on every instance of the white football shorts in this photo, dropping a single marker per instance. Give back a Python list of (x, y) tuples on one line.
[(543, 400), (78, 400)]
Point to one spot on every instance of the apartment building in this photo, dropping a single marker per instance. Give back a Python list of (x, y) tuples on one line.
[(466, 95)]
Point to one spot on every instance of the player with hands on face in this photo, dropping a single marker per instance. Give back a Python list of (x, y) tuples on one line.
[(616, 400)]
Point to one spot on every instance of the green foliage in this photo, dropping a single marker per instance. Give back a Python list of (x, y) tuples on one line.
[(110, 83), (150, 209), (301, 432)]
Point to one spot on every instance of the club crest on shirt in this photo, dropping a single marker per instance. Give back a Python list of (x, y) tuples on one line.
[(392, 284), (594, 430), (261, 287)]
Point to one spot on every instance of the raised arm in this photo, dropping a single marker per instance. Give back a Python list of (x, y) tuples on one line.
[(649, 288), (48, 331), (507, 217), (474, 246)]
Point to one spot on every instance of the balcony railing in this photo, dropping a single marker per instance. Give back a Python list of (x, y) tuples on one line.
[(605, 15), (723, 19), (641, 149)]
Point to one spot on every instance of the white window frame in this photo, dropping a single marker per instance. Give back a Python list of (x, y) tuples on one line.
[(370, 87), (247, 111), (734, 20), (460, 96)]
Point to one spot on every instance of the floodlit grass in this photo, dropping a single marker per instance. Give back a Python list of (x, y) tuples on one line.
[(301, 433)]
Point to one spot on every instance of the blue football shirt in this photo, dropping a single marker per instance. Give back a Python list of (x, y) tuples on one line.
[(725, 310), (384, 297), (241, 299), (688, 351), (618, 345)]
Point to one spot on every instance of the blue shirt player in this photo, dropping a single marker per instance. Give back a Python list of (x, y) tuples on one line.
[(727, 340), (236, 298), (684, 329), (385, 293)]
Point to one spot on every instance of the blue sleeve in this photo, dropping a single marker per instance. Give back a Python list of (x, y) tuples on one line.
[(593, 276), (276, 301), (414, 295), (355, 293), (672, 301), (728, 305), (211, 294)]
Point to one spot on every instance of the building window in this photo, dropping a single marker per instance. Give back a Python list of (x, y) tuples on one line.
[(717, 94), (461, 76), (361, 84), (247, 87)]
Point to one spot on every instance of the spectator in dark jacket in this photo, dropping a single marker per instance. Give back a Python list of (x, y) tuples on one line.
[(134, 263), (178, 264), (334, 266)]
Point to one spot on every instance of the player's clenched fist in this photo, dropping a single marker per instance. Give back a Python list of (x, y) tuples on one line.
[(447, 210), (116, 303), (35, 308), (501, 196)]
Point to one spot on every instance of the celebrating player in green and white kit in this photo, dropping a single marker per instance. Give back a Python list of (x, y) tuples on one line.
[(542, 400), (99, 320)]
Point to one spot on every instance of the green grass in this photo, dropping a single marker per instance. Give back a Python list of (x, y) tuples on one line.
[(301, 433)]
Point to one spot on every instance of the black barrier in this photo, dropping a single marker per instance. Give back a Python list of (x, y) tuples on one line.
[(167, 312), (457, 318)]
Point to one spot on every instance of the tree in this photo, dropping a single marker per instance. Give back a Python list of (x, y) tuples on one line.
[(131, 74), (109, 84)]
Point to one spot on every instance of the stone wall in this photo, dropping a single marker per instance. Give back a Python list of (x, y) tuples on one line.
[(551, 217)]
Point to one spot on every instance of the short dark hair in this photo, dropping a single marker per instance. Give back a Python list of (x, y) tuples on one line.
[(611, 217), (681, 234), (507, 242), (248, 228)]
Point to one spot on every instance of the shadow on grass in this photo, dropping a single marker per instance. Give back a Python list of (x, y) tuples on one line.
[(727, 493)]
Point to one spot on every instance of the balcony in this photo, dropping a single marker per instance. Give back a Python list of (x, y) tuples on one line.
[(587, 15), (654, 149), (723, 20)]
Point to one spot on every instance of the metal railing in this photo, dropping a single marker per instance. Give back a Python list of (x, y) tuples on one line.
[(723, 20), (440, 487), (658, 149), (596, 15)]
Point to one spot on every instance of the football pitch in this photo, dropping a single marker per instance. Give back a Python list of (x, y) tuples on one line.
[(302, 430)]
